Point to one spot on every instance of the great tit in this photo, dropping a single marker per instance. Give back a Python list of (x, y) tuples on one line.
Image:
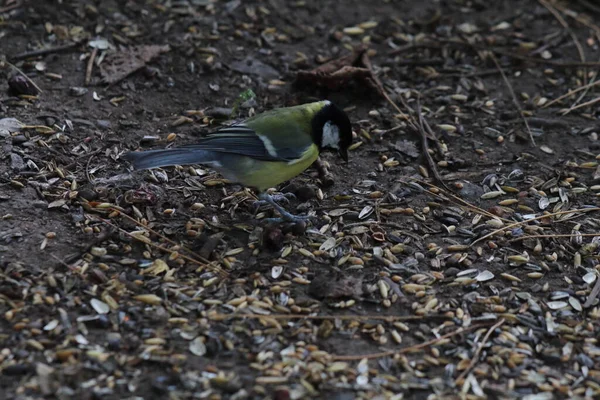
[(265, 150)]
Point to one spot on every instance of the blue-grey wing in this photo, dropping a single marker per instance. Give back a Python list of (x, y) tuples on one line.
[(242, 140)]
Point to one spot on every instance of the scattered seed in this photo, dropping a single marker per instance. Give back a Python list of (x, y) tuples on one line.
[(492, 194), (354, 30), (546, 149), (328, 244), (447, 127), (197, 347), (484, 276), (148, 299), (557, 305)]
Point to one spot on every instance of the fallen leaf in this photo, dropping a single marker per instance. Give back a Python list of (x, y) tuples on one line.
[(119, 65)]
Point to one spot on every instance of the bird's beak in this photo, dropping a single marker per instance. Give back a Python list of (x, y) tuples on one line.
[(344, 154)]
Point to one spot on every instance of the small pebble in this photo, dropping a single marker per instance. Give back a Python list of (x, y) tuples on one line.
[(19, 85), (88, 194), (273, 238), (17, 164), (19, 139), (77, 91), (104, 124), (305, 193)]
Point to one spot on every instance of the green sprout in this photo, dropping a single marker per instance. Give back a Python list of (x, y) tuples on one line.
[(242, 98)]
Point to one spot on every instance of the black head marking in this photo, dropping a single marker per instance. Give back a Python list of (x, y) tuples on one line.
[(335, 116)]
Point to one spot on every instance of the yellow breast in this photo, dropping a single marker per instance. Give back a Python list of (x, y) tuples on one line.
[(264, 175)]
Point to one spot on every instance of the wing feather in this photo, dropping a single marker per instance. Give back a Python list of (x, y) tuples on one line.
[(242, 140)]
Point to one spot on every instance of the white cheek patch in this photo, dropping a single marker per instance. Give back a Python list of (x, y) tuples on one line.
[(331, 136)]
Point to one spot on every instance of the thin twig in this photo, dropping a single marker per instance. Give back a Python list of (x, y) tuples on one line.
[(514, 98), (514, 54), (409, 348), (62, 262), (367, 62), (150, 230), (400, 229), (105, 235), (435, 44), (70, 165), (90, 66), (358, 206), (475, 357), (595, 291), (432, 135), (582, 105), (387, 318), (11, 7), (394, 129), (46, 51), (585, 92), (550, 236), (25, 76), (87, 168), (532, 219), (589, 5), (571, 93), (214, 268), (430, 162), (457, 200), (577, 18), (466, 74), (417, 125), (565, 25)]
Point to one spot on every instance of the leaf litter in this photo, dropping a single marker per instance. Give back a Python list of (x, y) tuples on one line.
[(439, 269)]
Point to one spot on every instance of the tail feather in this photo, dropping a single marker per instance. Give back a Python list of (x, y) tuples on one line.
[(169, 157)]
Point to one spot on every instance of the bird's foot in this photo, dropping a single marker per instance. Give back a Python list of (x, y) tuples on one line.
[(279, 198), (286, 216), (285, 197)]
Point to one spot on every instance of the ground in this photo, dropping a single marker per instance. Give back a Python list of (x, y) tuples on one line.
[(466, 268)]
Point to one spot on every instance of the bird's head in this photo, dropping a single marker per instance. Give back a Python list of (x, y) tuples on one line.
[(332, 129)]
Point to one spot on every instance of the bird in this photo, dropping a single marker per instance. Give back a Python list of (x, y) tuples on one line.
[(264, 150)]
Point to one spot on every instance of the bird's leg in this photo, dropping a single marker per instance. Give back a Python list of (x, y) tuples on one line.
[(266, 198)]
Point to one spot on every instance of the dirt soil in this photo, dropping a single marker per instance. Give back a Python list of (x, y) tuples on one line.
[(408, 285)]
